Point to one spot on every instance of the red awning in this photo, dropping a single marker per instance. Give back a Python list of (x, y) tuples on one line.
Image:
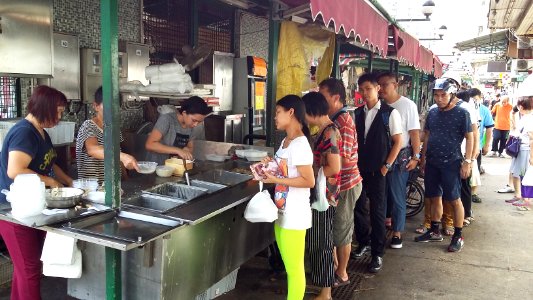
[(408, 53), (438, 67), (356, 16), (425, 62)]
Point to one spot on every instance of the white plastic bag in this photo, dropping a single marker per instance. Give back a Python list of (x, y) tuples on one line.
[(528, 177), (261, 208), (321, 203)]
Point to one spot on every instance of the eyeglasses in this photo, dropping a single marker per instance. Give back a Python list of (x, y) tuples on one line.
[(386, 83)]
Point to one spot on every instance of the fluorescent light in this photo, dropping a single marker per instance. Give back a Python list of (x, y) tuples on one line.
[(298, 19)]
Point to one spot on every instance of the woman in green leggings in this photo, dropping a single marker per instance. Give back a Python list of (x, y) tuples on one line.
[(295, 159)]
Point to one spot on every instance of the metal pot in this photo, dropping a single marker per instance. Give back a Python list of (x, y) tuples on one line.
[(63, 197)]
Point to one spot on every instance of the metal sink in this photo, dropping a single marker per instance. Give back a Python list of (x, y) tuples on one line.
[(222, 177), (176, 191), (153, 203)]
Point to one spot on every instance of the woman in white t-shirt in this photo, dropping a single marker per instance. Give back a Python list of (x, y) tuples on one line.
[(520, 164), (292, 192)]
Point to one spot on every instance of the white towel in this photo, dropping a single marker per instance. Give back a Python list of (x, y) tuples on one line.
[(58, 249), (65, 271)]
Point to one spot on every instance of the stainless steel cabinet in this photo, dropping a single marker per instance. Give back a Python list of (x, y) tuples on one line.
[(223, 79), (26, 38)]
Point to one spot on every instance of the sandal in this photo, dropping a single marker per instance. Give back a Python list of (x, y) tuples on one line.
[(513, 200), (448, 231), (521, 203), (339, 282), (470, 219), (523, 208), (422, 229)]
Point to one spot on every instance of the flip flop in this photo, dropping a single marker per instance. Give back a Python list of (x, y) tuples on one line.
[(339, 282), (422, 229), (523, 208)]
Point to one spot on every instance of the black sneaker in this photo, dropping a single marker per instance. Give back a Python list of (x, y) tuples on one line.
[(376, 264), (429, 237), (360, 251), (396, 242), (456, 244)]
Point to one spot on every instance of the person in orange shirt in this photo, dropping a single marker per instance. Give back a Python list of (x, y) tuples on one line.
[(502, 125)]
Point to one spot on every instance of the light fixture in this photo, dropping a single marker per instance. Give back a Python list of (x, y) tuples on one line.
[(298, 19), (441, 31), (242, 4), (427, 10)]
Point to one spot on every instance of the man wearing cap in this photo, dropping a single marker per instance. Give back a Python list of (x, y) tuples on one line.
[(442, 161)]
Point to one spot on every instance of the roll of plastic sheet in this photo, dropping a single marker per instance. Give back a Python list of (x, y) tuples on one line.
[(173, 77), (73, 270), (58, 249)]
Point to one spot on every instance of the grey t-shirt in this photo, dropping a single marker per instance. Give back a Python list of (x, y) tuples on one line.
[(173, 135)]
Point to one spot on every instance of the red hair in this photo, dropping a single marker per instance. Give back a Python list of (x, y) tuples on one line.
[(44, 102)]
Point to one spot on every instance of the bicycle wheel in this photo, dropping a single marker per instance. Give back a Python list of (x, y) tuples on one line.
[(415, 198)]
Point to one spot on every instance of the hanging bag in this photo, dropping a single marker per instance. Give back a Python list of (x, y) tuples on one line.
[(261, 207), (321, 203), (512, 147)]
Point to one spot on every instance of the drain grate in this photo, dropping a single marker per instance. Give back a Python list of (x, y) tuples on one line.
[(348, 292)]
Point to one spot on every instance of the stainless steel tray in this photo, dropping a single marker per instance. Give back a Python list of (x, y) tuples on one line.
[(124, 226), (209, 186), (176, 191), (148, 201), (222, 177)]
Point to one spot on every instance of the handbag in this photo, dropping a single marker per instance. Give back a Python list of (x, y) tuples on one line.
[(512, 146), (321, 203)]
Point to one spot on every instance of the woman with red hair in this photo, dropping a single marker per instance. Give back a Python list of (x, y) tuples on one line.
[(27, 149)]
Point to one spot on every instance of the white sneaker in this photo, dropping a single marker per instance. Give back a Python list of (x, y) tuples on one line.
[(506, 189), (493, 154)]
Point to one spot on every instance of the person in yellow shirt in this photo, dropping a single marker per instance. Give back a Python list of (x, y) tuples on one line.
[(502, 125)]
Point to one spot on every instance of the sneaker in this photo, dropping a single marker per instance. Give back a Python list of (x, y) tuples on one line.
[(429, 237), (456, 244), (506, 189), (476, 199), (396, 242), (360, 251), (376, 264), (493, 154)]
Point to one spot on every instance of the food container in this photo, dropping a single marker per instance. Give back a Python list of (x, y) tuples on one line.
[(240, 153), (216, 157), (86, 184), (164, 171), (177, 164), (96, 197), (147, 167), (63, 197), (255, 155)]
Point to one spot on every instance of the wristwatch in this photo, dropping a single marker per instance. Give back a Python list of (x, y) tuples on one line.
[(468, 161), (416, 157), (388, 166)]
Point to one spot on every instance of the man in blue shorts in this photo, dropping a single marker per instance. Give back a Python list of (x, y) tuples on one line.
[(442, 161)]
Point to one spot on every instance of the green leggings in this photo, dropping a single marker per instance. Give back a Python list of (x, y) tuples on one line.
[(291, 244)]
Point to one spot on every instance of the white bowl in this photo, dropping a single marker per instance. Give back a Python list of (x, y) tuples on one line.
[(164, 171), (147, 167), (241, 153), (96, 197), (217, 158), (255, 155)]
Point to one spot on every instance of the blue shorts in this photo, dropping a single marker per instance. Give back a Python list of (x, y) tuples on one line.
[(443, 181)]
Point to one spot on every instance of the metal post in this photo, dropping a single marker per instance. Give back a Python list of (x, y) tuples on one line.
[(370, 57), (273, 43), (335, 71), (109, 29), (391, 65)]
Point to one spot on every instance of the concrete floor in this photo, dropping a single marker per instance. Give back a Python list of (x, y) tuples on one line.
[(496, 262)]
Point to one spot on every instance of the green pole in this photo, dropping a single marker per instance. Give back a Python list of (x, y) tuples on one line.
[(273, 43), (370, 56), (109, 29)]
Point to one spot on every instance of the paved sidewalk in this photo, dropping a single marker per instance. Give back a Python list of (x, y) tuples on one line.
[(496, 262)]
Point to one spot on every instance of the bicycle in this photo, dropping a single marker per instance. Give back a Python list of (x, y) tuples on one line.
[(415, 194)]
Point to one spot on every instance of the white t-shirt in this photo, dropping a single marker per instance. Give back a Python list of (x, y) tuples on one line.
[(525, 125), (294, 209), (395, 120), (410, 119)]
